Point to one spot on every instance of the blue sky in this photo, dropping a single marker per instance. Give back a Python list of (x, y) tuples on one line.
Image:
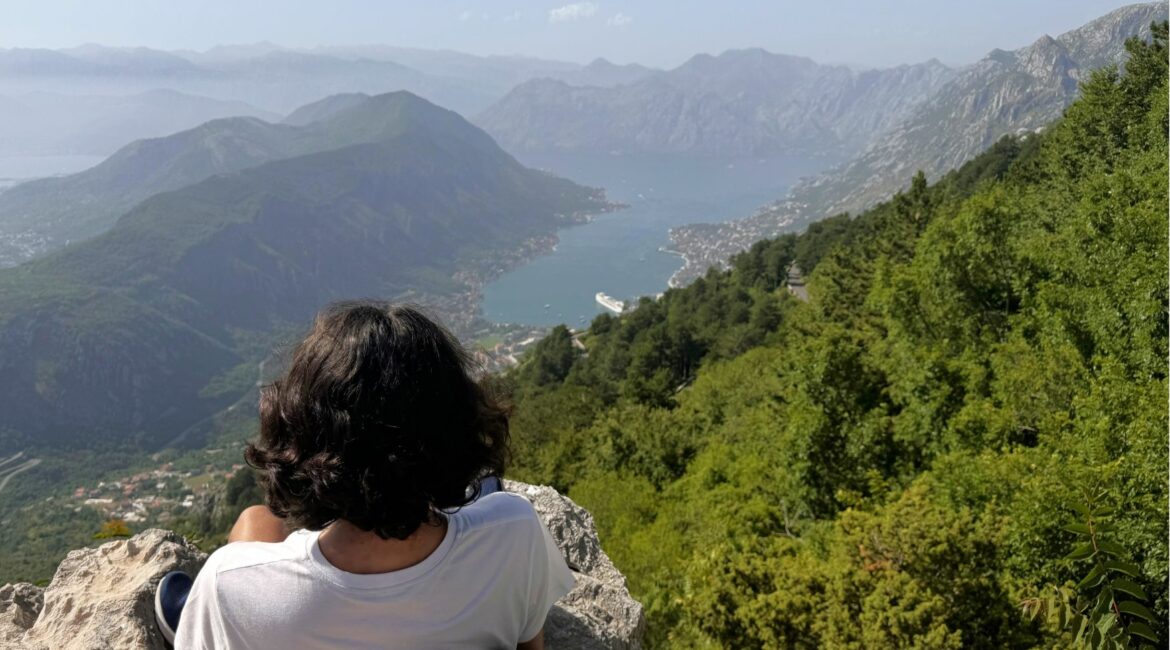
[(661, 33)]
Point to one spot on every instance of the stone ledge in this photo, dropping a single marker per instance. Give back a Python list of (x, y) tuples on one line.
[(103, 598)]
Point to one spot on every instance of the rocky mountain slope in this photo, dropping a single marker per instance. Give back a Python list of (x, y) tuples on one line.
[(121, 336), (324, 108), (1007, 92), (104, 597), (742, 102), (602, 73)]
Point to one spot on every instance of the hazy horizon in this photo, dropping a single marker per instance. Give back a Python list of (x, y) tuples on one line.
[(655, 33)]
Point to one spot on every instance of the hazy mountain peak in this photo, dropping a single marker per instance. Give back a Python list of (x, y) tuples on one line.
[(324, 108), (740, 102), (291, 219), (395, 106), (1045, 41), (601, 73), (28, 61), (51, 212), (232, 52), (392, 114), (1006, 92), (760, 56), (136, 59), (1045, 58), (997, 55), (1102, 41), (1045, 46)]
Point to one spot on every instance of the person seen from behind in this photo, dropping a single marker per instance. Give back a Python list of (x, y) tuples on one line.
[(373, 452)]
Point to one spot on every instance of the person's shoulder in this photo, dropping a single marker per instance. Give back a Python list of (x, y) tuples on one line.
[(243, 555), (499, 509)]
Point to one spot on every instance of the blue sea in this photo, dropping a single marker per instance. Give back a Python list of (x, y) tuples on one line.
[(618, 253)]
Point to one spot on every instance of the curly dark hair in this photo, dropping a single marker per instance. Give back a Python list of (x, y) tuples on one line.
[(377, 421)]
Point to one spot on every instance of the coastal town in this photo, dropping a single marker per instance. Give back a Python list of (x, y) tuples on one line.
[(706, 245), (500, 347)]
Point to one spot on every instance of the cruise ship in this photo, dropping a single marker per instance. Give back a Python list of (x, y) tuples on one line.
[(610, 303)]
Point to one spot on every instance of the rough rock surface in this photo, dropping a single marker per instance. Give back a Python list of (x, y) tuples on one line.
[(599, 612), (99, 598), (20, 605), (741, 103), (104, 597)]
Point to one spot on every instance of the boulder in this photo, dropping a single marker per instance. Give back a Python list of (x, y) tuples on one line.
[(100, 597), (599, 612), (103, 597)]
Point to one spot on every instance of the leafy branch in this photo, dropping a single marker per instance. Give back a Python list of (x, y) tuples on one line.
[(1106, 608)]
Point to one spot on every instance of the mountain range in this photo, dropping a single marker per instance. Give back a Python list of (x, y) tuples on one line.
[(43, 215), (45, 123), (279, 79), (133, 334), (94, 99), (1006, 93), (499, 74), (739, 103)]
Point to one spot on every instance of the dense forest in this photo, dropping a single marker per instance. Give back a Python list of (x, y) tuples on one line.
[(959, 440)]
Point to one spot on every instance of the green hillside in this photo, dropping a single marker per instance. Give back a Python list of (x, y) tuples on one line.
[(968, 415), (52, 212), (118, 338)]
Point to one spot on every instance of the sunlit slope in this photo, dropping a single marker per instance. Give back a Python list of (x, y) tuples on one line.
[(44, 215), (906, 458), (117, 336)]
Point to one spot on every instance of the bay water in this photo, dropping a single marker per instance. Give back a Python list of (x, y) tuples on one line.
[(619, 253)]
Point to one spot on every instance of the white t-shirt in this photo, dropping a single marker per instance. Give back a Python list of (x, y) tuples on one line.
[(489, 584)]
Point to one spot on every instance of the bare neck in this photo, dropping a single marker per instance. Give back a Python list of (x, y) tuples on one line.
[(354, 550)]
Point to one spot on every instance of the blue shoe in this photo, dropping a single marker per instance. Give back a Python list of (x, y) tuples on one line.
[(169, 599)]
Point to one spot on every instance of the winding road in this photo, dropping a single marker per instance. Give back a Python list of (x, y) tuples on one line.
[(9, 467), (174, 442), (796, 283)]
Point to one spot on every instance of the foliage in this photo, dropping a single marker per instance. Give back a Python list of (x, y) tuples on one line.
[(878, 467), (208, 526), (1106, 608), (112, 529)]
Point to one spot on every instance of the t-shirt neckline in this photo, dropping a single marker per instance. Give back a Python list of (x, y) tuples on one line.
[(379, 580)]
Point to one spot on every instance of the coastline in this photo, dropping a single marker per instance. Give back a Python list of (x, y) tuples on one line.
[(706, 245), (675, 280), (462, 309)]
